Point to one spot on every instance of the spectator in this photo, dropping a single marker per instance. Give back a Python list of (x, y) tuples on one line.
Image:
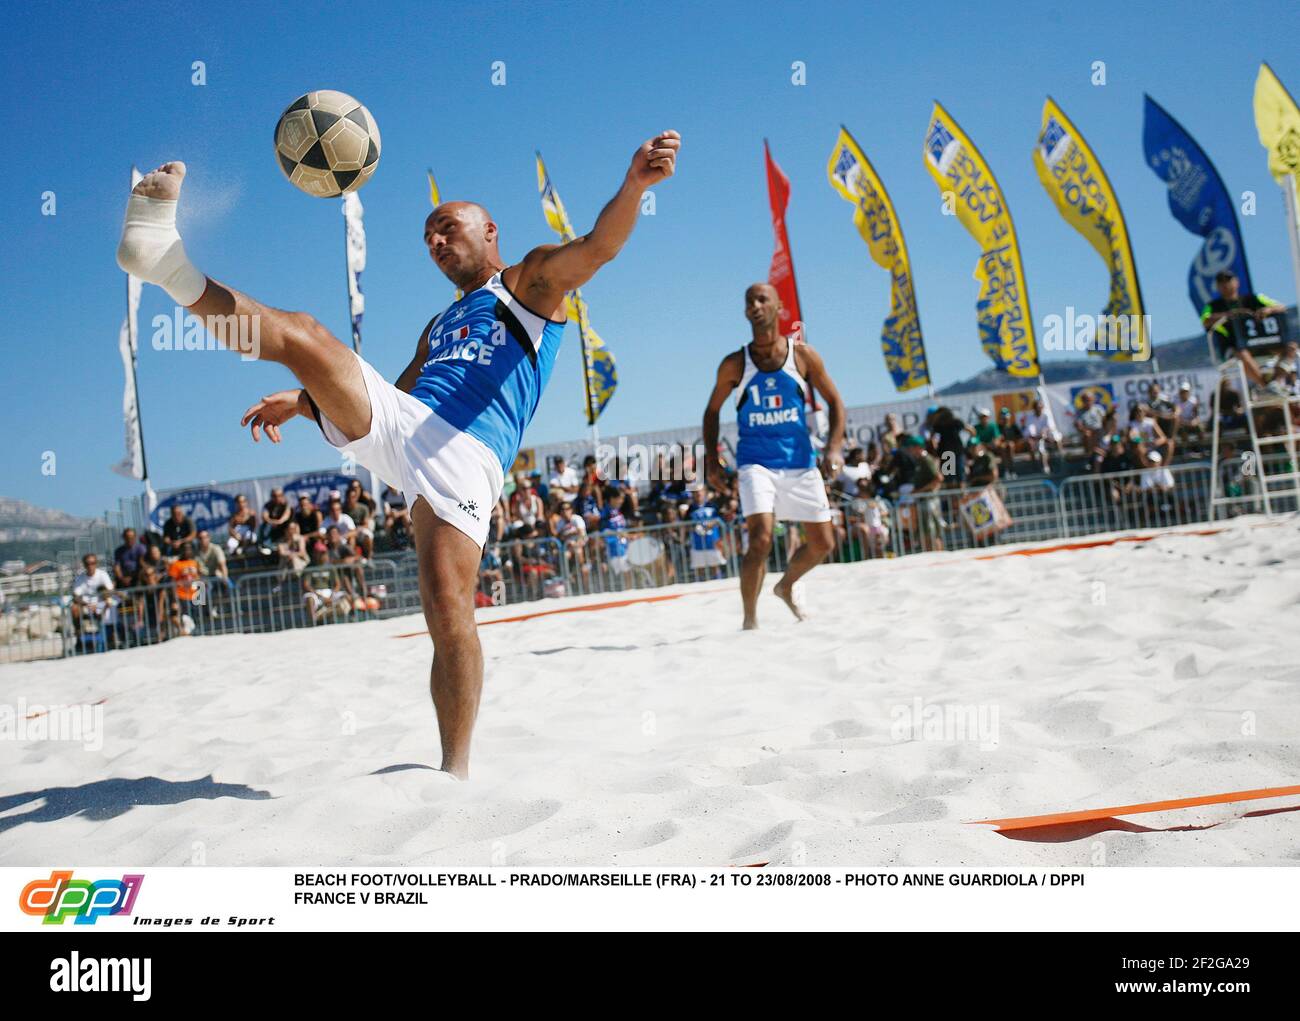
[(891, 438), (1144, 429), (706, 535), (1089, 422), (362, 515), (397, 516), (1228, 407), (293, 548), (155, 560), (1218, 316), (276, 514), (310, 519), (1013, 440), (91, 595), (983, 469), (1157, 483), (527, 511), (1040, 432), (325, 589), (564, 481), (243, 526), (337, 518), (184, 572), (870, 515), (589, 505), (149, 606), (1187, 415), (127, 557), (212, 562), (922, 491), (613, 527), (856, 468), (177, 530), (1163, 410), (946, 429), (1116, 457)]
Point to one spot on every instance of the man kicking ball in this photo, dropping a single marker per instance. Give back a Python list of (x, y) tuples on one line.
[(778, 468), (451, 426)]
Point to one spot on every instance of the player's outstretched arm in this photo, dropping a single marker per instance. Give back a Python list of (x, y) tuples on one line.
[(549, 272)]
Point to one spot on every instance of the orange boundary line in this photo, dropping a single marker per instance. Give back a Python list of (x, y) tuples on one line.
[(1061, 818), (1092, 544), (575, 609)]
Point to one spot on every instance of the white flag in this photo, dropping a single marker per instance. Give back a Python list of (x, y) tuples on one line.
[(356, 241), (132, 465)]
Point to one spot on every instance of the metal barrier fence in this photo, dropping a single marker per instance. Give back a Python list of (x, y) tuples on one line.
[(640, 557)]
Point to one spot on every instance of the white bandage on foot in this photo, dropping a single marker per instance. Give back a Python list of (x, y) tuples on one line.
[(152, 250)]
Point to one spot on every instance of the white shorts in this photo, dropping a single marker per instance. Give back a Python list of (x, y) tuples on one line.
[(415, 451), (792, 494)]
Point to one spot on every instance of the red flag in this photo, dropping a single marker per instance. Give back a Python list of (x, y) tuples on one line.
[(781, 273)]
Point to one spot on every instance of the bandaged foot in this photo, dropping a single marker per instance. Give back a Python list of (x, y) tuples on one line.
[(151, 248)]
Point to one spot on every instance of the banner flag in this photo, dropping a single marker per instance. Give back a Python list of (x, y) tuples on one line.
[(1198, 199), (1277, 119), (601, 376), (852, 175), (781, 272), (356, 249), (1006, 325), (1072, 175)]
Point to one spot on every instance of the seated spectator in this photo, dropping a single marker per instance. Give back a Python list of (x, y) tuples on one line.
[(155, 559), (91, 595), (856, 468), (1157, 482), (308, 516), (946, 433), (1163, 410), (397, 516), (982, 468), (1146, 430), (177, 530), (212, 563), (869, 516), (293, 548), (148, 607), (1013, 440), (491, 578), (362, 515), (325, 589), (1116, 457), (127, 557), (276, 514), (243, 527), (527, 512), (564, 481), (1040, 433), (1089, 421), (1217, 319), (589, 504), (1187, 415), (338, 518), (184, 572), (1228, 407), (613, 528)]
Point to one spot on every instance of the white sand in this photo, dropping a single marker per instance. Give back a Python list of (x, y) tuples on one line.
[(660, 734)]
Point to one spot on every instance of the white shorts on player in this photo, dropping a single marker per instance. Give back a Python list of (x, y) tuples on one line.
[(415, 451), (791, 494)]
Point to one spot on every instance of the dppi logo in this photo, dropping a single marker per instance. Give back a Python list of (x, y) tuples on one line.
[(61, 896)]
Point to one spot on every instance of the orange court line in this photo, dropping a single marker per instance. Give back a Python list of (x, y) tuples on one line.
[(577, 609), (1093, 543), (1060, 818)]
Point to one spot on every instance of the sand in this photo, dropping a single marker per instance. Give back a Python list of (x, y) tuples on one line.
[(659, 734)]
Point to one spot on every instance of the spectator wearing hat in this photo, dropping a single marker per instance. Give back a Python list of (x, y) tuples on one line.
[(982, 468), (1157, 482), (1218, 315)]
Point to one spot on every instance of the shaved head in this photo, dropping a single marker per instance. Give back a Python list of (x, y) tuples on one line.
[(762, 308), (462, 241)]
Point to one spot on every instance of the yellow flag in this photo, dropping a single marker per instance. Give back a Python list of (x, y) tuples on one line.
[(1073, 177), (1277, 119), (601, 376), (434, 195), (852, 175), (970, 191)]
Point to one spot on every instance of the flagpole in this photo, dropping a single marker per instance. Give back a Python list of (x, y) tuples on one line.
[(139, 418), (1291, 201)]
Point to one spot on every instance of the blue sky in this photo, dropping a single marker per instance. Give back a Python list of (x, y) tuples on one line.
[(103, 87)]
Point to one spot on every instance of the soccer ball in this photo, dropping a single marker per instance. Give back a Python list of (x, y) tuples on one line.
[(327, 143)]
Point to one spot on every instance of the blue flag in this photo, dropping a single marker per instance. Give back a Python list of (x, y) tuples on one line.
[(1199, 201)]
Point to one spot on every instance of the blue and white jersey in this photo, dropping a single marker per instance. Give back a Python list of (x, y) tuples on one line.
[(489, 360), (770, 412), (707, 532)]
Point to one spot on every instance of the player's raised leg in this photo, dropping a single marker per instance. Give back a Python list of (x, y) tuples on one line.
[(449, 561), (151, 249)]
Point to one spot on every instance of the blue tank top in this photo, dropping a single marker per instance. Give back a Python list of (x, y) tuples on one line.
[(490, 358), (770, 416)]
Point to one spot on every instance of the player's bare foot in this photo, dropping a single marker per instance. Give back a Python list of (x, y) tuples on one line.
[(750, 624), (786, 594), (163, 183)]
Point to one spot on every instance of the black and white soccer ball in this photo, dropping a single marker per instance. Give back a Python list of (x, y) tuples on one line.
[(327, 143)]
